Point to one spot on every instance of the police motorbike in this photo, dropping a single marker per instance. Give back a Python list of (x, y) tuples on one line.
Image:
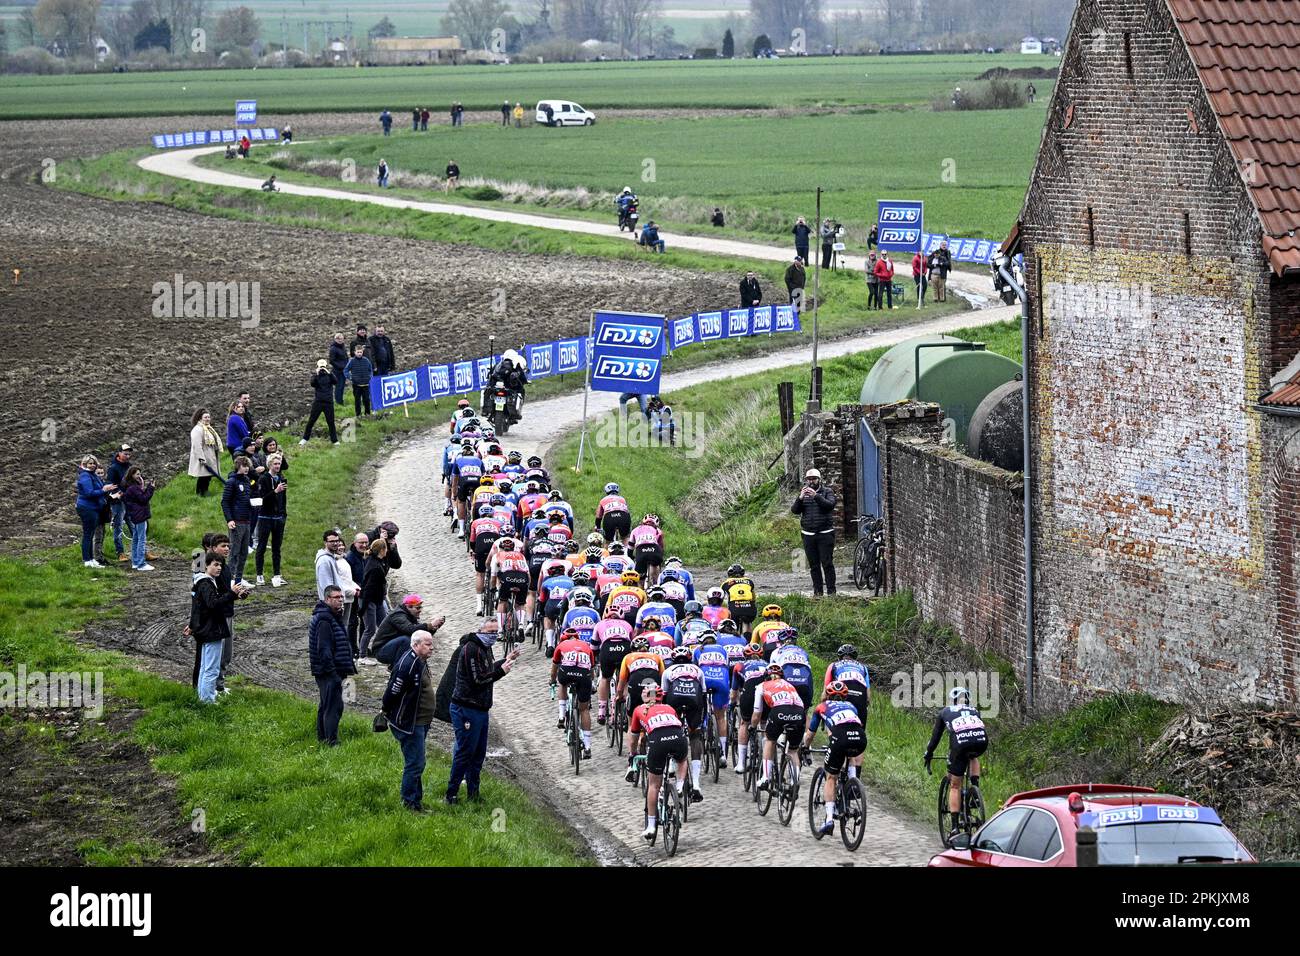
[(628, 217)]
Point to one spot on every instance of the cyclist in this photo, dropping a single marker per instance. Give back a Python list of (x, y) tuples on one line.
[(612, 515), (536, 472), (482, 495), (967, 741), (555, 504), (711, 658), (573, 554), (450, 452), (656, 606), (661, 642), (538, 551), (494, 461), (747, 676), (739, 590), (638, 667), (531, 500), (771, 621), (683, 575), (503, 511), (848, 740), (557, 530), (647, 546), (784, 709), (483, 533), (795, 666), (692, 623), (553, 593), (683, 684), (606, 582), (616, 561), (628, 597), (466, 470), (510, 578), (612, 638), (459, 415), (730, 639), (853, 673), (674, 591), (713, 610), (514, 465), (665, 738), (581, 615), (571, 667)]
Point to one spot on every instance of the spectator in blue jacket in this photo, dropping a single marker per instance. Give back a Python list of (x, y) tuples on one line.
[(115, 485), (409, 705), (331, 662), (136, 492), (90, 500), (236, 505), (358, 372), (237, 430), (386, 121), (650, 236)]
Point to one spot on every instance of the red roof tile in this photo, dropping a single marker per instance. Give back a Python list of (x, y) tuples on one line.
[(1248, 55)]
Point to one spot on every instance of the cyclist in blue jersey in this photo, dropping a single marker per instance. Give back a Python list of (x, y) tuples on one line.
[(581, 615), (683, 575), (466, 472), (656, 606), (795, 666), (514, 465), (712, 660), (553, 592), (449, 454)]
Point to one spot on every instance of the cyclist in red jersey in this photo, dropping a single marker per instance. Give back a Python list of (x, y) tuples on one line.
[(665, 738), (779, 700), (571, 668)]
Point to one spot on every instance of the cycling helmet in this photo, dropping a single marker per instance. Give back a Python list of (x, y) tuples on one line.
[(708, 637), (693, 607), (650, 624), (672, 559), (490, 432), (485, 511), (538, 532), (498, 499), (651, 519), (514, 458), (555, 518), (836, 688), (715, 596), (788, 635), (474, 421), (505, 484), (594, 555), (655, 592), (682, 655), (616, 547), (669, 574), (570, 547), (506, 544), (596, 539), (753, 650), (639, 643), (846, 650), (735, 570), (631, 577), (534, 462), (774, 670), (580, 597), (611, 611), (611, 488), (493, 447), (772, 612), (957, 693), (729, 627), (555, 496), (581, 576), (486, 482), (569, 634), (463, 403)]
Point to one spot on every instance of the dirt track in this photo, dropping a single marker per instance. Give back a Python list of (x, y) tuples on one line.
[(90, 366)]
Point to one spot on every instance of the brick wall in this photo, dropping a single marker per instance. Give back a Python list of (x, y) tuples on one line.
[(1155, 324), (827, 441)]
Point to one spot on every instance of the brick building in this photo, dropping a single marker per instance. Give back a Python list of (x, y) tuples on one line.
[(1163, 273)]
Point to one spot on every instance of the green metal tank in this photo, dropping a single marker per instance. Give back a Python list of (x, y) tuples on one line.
[(939, 368)]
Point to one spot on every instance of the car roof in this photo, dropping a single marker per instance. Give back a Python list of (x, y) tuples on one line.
[(1098, 797)]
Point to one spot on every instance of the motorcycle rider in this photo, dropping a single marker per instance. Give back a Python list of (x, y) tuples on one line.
[(626, 203), (512, 373)]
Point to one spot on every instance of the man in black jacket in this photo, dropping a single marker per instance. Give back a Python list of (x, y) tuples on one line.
[(801, 233), (815, 507), (408, 705), (323, 384), (476, 671), (381, 352), (751, 294), (331, 662), (401, 622), (338, 359)]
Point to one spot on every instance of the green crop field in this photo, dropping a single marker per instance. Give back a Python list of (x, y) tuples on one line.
[(694, 84)]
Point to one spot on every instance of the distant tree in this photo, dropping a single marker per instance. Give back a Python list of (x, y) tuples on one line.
[(728, 45), (70, 22), (120, 28), (384, 28), (156, 34), (780, 18), (237, 27), (26, 31), (629, 15), (473, 21), (761, 43), (583, 19)]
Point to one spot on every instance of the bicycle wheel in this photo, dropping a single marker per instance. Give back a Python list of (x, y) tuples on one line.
[(575, 736), (945, 818), (861, 559), (817, 803), (709, 763), (764, 797), (788, 794), (715, 748), (853, 821), (621, 725), (685, 798), (733, 738), (669, 824), (974, 809)]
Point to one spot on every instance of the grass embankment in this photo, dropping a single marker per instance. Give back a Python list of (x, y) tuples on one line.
[(269, 793), (969, 168), (656, 85)]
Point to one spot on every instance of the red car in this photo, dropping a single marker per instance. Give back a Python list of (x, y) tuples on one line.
[(1134, 825)]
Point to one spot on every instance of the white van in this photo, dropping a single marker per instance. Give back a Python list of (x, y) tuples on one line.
[(564, 113)]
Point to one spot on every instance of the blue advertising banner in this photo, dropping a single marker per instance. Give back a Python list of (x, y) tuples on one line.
[(570, 355), (462, 377), (708, 325), (212, 137), (682, 332), (439, 380), (245, 111), (761, 322), (737, 323), (541, 360), (626, 352), (901, 224), (787, 319), (399, 388), (482, 370)]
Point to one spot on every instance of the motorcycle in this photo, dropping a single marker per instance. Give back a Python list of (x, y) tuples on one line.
[(628, 217), (1002, 287), (500, 411)]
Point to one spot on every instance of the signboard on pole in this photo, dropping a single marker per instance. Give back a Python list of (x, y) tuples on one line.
[(901, 225), (245, 111), (627, 351)]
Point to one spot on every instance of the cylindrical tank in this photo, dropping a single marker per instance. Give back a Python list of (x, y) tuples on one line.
[(997, 432), (953, 373)]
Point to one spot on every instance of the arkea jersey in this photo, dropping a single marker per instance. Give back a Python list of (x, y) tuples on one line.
[(654, 719), (574, 656), (837, 715)]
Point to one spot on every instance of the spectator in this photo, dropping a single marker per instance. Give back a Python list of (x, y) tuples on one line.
[(245, 146), (460, 114), (374, 594), (650, 236), (246, 400), (1030, 91), (625, 397), (136, 493), (338, 361), (549, 112), (237, 430), (269, 186), (471, 702), (409, 703), (331, 662), (236, 505), (391, 637), (272, 447), (333, 567), (873, 237), (362, 338), (286, 136), (505, 112), (355, 556), (358, 372), (884, 270), (873, 282), (387, 531), (210, 614), (415, 120), (717, 218), (424, 119), (815, 507), (205, 452), (271, 488), (115, 485), (751, 293), (90, 500), (381, 352), (453, 176), (322, 383), (919, 278), (105, 517), (519, 116), (661, 420), (801, 234), (942, 266), (381, 176), (386, 121), (828, 242), (795, 278), (219, 544)]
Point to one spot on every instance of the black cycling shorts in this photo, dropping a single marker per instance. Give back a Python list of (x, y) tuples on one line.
[(578, 682), (662, 745), (747, 692), (534, 572), (689, 709), (482, 546), (513, 582), (805, 694), (959, 759), (844, 744), (611, 656), (646, 556), (616, 525), (554, 609), (742, 612), (788, 719)]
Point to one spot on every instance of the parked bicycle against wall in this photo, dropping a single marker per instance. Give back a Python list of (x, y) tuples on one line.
[(869, 554)]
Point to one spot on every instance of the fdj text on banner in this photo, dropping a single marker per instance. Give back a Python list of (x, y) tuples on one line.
[(627, 352), (901, 224)]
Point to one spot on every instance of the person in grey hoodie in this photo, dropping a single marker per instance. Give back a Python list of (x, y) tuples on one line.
[(333, 570)]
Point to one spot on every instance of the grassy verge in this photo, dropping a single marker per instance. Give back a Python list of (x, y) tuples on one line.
[(267, 792)]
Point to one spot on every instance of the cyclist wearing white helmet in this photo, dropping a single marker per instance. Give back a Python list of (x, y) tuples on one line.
[(967, 740)]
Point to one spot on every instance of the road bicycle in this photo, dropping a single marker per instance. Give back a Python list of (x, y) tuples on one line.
[(670, 808), (850, 804), (539, 633), (572, 730), (712, 746), (733, 734), (511, 635), (969, 818), (869, 554), (785, 783), (753, 763), (616, 725)]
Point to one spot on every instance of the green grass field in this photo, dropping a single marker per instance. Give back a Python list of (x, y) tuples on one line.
[(697, 84)]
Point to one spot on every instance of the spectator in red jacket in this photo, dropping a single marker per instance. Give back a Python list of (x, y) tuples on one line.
[(884, 271), (919, 277)]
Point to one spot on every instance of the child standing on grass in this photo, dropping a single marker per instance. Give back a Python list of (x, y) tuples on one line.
[(358, 371), (137, 492)]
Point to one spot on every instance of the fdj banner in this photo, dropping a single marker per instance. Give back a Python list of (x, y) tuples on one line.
[(901, 223), (541, 360), (626, 353), (403, 387), (245, 111)]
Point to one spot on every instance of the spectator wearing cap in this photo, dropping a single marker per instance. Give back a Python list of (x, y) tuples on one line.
[(115, 486), (815, 506), (323, 383), (391, 638)]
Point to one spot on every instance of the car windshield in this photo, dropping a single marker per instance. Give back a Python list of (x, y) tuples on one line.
[(1167, 843)]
